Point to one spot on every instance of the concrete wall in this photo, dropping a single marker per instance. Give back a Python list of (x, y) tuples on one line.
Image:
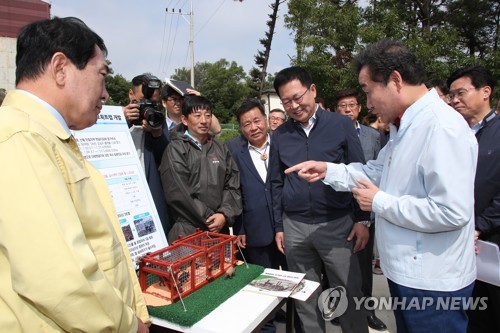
[(271, 100), (14, 14), (7, 62)]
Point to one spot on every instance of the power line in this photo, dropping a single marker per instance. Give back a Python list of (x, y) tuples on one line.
[(211, 16)]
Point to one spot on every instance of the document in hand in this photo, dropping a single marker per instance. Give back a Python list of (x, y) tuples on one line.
[(488, 262), (179, 86), (280, 283)]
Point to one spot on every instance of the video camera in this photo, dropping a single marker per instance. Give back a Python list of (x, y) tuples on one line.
[(148, 109)]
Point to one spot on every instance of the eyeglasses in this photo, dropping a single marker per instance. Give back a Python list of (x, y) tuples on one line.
[(276, 118), (297, 100), (459, 93), (344, 106)]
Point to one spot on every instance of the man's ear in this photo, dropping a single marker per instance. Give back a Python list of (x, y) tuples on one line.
[(486, 92), (58, 67), (184, 120), (312, 89), (396, 79)]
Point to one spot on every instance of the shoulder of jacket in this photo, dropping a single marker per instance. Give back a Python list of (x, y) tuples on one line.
[(13, 121), (370, 129)]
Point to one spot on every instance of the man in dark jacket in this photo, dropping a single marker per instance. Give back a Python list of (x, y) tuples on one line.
[(255, 226), (471, 90), (149, 142), (314, 223), (348, 103), (200, 179)]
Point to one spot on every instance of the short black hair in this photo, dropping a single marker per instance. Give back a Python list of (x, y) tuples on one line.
[(349, 92), (248, 105), (292, 73), (193, 103), (167, 91), (143, 81), (39, 41), (278, 110), (478, 75), (441, 84), (387, 56), (369, 119)]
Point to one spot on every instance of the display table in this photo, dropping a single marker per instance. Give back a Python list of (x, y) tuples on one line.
[(243, 312)]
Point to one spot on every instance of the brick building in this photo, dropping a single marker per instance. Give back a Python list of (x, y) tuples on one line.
[(14, 14)]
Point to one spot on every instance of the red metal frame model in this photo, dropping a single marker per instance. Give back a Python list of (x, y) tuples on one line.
[(187, 265)]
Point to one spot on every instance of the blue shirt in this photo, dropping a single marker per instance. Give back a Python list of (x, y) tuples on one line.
[(424, 211)]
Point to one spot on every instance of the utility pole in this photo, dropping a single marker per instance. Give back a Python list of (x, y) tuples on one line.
[(191, 34), (191, 41)]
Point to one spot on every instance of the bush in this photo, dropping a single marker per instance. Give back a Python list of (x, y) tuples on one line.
[(226, 135)]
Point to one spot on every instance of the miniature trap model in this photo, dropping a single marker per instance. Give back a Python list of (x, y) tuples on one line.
[(171, 273)]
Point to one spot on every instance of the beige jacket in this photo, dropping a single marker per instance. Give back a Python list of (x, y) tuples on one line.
[(64, 264)]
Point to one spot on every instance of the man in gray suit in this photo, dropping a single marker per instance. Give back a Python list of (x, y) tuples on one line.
[(348, 103)]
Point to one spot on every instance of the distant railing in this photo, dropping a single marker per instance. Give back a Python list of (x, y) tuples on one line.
[(229, 126)]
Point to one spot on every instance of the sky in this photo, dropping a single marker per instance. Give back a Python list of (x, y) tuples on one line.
[(142, 37)]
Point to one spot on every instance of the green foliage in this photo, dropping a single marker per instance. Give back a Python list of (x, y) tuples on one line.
[(257, 81), (227, 135), (223, 83), (326, 37), (477, 23), (446, 35), (118, 88)]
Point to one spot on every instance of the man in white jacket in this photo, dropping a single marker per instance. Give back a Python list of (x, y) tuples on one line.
[(421, 189)]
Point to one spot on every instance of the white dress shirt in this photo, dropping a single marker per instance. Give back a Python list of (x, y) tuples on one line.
[(257, 157), (424, 211)]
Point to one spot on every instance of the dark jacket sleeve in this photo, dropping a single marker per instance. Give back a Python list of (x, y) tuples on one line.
[(159, 144), (354, 153), (487, 182), (276, 176), (231, 205), (488, 221), (175, 176)]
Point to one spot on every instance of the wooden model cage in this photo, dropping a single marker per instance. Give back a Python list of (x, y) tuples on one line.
[(188, 264)]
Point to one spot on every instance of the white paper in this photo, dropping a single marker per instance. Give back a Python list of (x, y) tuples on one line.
[(304, 290), (275, 282), (488, 262)]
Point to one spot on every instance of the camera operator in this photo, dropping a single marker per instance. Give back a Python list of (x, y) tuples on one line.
[(150, 135)]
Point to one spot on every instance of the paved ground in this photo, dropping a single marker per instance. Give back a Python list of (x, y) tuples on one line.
[(380, 288)]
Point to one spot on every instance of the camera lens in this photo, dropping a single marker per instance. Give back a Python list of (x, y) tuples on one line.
[(154, 118)]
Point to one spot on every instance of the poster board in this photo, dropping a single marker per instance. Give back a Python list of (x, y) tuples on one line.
[(108, 145)]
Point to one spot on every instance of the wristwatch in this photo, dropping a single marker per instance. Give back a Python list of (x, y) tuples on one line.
[(365, 223)]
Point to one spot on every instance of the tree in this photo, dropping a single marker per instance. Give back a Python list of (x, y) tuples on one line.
[(445, 34), (326, 38), (223, 83), (117, 87), (478, 25), (258, 76)]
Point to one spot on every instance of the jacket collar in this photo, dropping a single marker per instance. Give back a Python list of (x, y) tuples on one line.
[(35, 108)]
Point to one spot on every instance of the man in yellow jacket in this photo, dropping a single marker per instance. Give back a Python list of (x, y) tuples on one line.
[(64, 265)]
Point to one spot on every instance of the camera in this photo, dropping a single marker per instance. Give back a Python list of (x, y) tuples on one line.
[(148, 109)]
